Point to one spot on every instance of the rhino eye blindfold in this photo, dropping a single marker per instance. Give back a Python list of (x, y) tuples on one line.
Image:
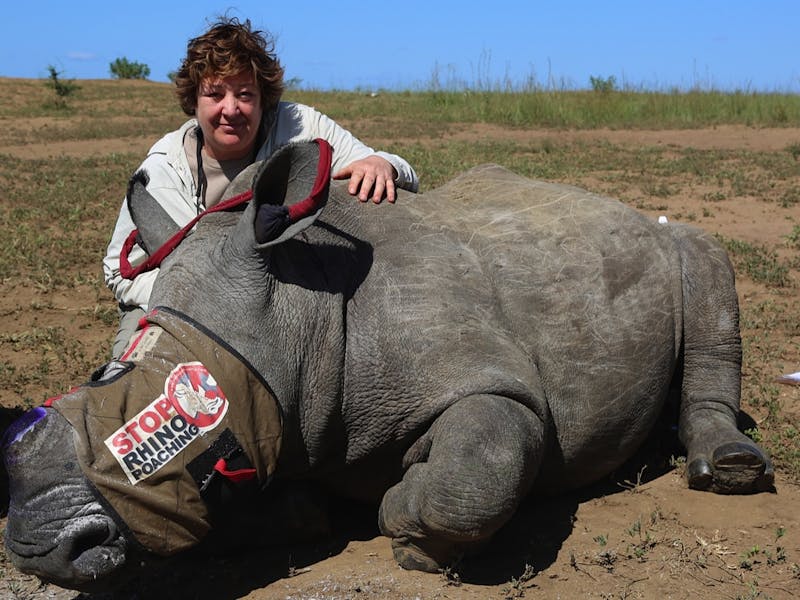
[(21, 426)]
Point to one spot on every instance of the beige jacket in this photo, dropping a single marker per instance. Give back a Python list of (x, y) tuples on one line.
[(172, 183)]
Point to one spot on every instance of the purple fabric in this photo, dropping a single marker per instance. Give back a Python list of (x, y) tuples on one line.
[(23, 425)]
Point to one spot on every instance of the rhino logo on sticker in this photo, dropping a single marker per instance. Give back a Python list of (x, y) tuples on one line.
[(196, 396)]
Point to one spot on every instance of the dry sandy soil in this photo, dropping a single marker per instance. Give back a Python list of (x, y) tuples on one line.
[(640, 534)]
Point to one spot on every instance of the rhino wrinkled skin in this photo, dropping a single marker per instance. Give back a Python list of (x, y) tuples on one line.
[(445, 356)]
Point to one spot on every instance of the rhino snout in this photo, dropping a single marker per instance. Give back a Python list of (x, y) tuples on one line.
[(57, 529), (87, 553)]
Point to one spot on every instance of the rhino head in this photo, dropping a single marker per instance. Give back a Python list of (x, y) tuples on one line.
[(57, 527), (73, 522)]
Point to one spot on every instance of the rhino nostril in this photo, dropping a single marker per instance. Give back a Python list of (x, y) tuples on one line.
[(95, 535)]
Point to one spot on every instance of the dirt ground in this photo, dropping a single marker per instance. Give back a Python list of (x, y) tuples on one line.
[(641, 534)]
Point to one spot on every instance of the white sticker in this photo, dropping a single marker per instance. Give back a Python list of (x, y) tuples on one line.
[(192, 403)]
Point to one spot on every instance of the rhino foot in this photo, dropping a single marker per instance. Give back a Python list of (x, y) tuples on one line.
[(739, 467), (423, 555)]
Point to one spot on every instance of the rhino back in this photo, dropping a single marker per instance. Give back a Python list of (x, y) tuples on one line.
[(564, 300)]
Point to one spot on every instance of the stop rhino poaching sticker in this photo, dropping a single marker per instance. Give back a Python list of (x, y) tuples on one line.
[(192, 404)]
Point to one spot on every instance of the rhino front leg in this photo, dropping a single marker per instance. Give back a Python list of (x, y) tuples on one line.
[(466, 478), (720, 457)]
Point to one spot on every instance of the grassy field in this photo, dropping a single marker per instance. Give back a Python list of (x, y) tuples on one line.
[(57, 211), (64, 168)]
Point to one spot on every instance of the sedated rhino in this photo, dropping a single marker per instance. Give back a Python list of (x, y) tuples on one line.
[(446, 356)]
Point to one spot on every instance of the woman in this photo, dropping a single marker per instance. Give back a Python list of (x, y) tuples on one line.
[(231, 82)]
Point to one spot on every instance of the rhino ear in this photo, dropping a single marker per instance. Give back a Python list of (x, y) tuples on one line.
[(243, 182), (154, 224), (290, 190)]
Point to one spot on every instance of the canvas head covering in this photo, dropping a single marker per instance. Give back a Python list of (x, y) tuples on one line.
[(183, 422)]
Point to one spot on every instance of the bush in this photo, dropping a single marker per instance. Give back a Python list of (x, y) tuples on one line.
[(603, 85), (61, 87), (122, 68)]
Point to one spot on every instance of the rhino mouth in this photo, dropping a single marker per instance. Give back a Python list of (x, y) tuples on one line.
[(86, 554)]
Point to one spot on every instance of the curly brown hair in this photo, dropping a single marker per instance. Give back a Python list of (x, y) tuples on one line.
[(228, 48)]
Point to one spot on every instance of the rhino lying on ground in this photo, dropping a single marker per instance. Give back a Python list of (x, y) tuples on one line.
[(446, 356)]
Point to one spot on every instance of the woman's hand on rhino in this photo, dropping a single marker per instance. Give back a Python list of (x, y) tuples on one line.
[(372, 176)]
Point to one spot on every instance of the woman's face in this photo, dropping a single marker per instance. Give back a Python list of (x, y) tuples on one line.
[(229, 112)]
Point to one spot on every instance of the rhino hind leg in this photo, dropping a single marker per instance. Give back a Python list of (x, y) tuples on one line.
[(720, 457), (466, 478)]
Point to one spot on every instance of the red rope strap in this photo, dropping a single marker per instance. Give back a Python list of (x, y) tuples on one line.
[(154, 260), (311, 204), (297, 211), (236, 476)]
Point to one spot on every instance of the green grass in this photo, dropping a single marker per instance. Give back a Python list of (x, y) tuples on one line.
[(759, 262), (649, 169), (565, 109), (106, 99), (119, 109), (56, 215)]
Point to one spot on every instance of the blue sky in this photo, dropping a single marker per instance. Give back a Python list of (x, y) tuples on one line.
[(724, 44)]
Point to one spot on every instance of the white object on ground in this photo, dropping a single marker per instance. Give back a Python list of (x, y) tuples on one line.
[(790, 378)]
